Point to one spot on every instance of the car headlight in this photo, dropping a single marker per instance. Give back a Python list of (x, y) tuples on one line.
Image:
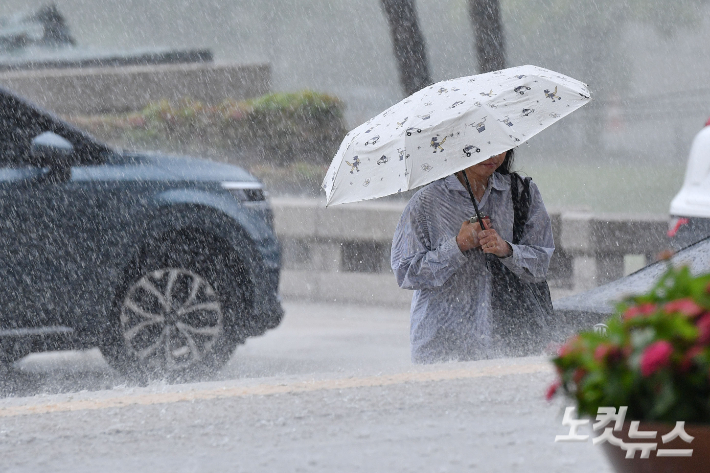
[(252, 196), (246, 191)]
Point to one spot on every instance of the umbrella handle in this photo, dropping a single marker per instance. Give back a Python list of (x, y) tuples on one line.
[(473, 201)]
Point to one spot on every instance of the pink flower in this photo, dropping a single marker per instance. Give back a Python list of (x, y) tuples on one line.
[(600, 352), (684, 306), (641, 309), (136, 122), (569, 346), (236, 115), (552, 390), (703, 325), (656, 356)]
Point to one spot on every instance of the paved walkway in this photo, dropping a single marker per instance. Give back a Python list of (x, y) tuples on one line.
[(332, 389)]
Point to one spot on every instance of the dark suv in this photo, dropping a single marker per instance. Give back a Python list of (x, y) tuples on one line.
[(164, 263)]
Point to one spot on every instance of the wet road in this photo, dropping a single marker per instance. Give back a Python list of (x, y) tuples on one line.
[(331, 389)]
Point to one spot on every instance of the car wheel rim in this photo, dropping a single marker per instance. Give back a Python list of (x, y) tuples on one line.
[(171, 319)]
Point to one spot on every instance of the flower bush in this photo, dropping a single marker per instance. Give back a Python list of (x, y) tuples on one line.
[(654, 357), (278, 128)]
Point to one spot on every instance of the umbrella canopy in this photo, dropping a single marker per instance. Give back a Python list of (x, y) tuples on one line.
[(447, 127)]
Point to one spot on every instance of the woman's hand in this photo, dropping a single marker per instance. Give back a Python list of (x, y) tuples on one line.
[(492, 243), (467, 238)]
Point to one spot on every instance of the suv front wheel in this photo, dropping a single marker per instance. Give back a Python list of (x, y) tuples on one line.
[(177, 315)]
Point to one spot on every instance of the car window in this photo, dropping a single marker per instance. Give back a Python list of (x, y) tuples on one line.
[(18, 126), (21, 123)]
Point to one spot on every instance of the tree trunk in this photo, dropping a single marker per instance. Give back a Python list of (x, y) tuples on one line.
[(409, 47), (488, 29)]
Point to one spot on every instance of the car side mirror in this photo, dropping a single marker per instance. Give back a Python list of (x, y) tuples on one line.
[(50, 149)]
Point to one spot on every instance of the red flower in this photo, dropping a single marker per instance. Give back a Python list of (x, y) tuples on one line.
[(704, 327), (578, 375), (641, 309), (684, 306), (607, 351), (656, 356), (552, 390)]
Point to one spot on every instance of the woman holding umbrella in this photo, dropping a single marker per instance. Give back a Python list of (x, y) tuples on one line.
[(450, 262), (480, 290)]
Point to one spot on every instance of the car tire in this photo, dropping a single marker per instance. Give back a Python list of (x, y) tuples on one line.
[(177, 315)]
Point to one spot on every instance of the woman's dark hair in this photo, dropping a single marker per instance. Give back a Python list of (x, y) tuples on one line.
[(506, 167)]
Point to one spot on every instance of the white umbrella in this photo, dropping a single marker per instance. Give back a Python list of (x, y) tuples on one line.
[(447, 127)]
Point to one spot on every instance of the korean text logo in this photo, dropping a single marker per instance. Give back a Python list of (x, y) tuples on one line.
[(647, 440)]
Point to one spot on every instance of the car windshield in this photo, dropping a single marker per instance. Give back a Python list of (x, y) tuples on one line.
[(604, 298)]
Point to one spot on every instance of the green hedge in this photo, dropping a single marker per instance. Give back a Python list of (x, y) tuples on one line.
[(279, 128)]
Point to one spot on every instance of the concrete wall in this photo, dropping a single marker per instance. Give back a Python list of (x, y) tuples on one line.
[(341, 254), (117, 89)]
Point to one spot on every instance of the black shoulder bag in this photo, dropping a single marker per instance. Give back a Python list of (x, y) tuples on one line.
[(521, 311)]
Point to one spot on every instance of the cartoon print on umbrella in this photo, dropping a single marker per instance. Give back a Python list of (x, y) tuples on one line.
[(471, 149), (412, 130), (528, 111), (521, 89), (401, 154), (399, 124), (382, 160), (355, 166), (480, 126), (457, 103), (507, 121), (552, 95), (373, 140), (443, 91), (436, 144), (426, 167), (366, 183), (424, 117), (488, 94)]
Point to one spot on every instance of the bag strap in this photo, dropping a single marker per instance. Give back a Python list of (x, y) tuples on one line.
[(521, 205)]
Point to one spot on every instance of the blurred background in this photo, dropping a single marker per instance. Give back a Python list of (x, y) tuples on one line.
[(645, 61)]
